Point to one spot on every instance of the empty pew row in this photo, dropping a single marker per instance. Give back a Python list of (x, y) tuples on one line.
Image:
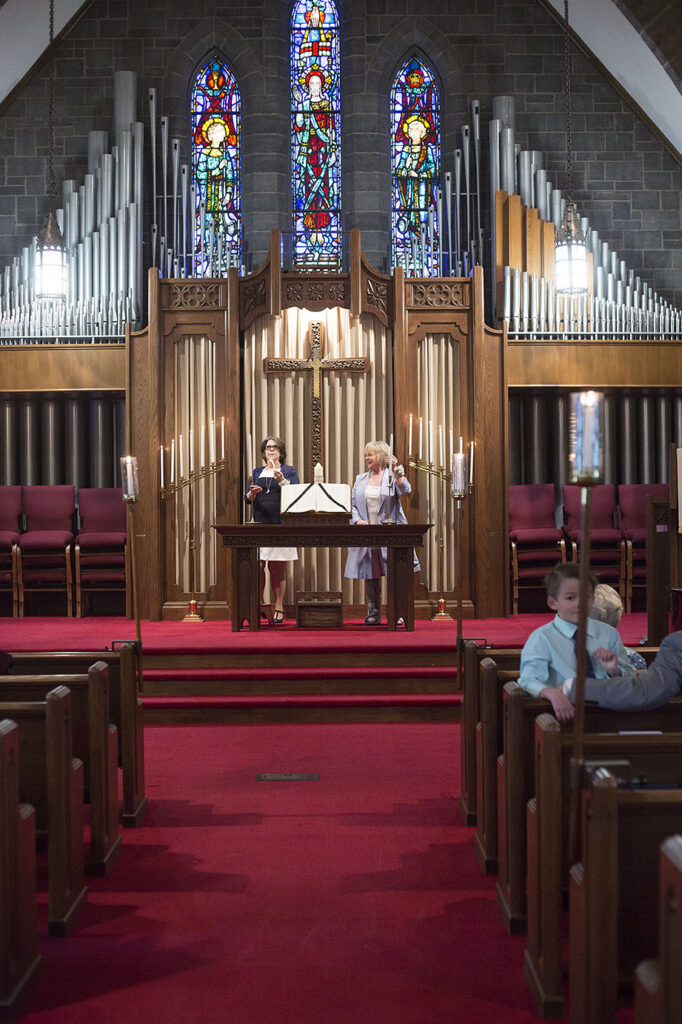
[(658, 983), (613, 891), (51, 781), (125, 710), (19, 956), (646, 757), (505, 658), (94, 742), (516, 781)]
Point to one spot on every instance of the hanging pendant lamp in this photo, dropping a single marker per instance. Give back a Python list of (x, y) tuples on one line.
[(50, 270), (571, 250)]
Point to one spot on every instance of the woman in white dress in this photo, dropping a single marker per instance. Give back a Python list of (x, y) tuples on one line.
[(264, 494)]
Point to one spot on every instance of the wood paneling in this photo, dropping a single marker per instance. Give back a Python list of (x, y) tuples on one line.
[(62, 368), (594, 364)]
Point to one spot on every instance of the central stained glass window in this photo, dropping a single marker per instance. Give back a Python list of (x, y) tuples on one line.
[(216, 170), (315, 135), (415, 166)]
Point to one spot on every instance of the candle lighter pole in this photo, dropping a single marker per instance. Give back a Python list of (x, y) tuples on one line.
[(130, 487)]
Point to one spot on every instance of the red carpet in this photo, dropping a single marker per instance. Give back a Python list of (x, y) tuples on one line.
[(37, 633), (356, 898)]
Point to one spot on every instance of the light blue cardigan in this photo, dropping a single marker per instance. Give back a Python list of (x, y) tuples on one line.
[(359, 561)]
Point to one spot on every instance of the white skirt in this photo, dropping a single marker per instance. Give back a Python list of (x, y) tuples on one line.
[(278, 554)]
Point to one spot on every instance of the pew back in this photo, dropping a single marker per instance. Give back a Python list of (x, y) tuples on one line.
[(658, 984)]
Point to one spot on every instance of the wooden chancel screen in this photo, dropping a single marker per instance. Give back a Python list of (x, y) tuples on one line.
[(389, 349)]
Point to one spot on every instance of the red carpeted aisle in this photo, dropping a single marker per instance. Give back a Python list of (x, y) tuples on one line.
[(355, 898)]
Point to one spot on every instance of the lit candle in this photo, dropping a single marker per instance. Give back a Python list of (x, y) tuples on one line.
[(409, 438), (222, 438), (211, 443), (161, 457), (390, 454), (173, 461), (459, 473), (180, 457), (191, 450), (471, 463), (421, 430), (202, 447), (440, 445)]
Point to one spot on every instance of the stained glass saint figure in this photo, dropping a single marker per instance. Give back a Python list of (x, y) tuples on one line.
[(415, 130), (216, 184), (316, 172)]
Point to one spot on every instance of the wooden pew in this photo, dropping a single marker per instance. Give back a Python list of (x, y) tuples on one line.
[(657, 758), (125, 709), (488, 745), (19, 956), (613, 891), (94, 742), (51, 780), (658, 983), (515, 782), (473, 655)]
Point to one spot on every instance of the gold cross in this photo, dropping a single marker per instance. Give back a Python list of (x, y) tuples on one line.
[(318, 365)]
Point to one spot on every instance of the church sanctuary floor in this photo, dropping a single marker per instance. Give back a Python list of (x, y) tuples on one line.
[(203, 672)]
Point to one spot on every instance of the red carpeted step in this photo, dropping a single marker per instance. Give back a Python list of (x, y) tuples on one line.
[(344, 672), (316, 700)]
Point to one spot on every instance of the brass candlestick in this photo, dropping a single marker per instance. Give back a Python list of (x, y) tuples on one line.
[(441, 613)]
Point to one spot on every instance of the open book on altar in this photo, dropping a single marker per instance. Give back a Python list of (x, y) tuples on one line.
[(316, 497)]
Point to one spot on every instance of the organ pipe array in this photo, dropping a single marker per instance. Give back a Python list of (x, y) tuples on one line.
[(618, 304), (101, 222)]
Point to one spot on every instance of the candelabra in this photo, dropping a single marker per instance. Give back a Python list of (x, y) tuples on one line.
[(177, 487)]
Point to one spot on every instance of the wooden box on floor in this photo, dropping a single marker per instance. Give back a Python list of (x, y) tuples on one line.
[(319, 609)]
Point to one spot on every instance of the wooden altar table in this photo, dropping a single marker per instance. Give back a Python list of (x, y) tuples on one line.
[(245, 541)]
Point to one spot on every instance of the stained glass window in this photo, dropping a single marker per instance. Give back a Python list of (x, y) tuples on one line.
[(416, 164), (216, 170), (315, 134)]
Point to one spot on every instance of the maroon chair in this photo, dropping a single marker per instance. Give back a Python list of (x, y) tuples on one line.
[(535, 541), (44, 550), (607, 547), (101, 558), (10, 512), (632, 503)]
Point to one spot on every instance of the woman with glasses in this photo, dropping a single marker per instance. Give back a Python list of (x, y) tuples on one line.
[(264, 494)]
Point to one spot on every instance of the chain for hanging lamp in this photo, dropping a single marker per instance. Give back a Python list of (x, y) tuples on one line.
[(571, 251), (50, 276)]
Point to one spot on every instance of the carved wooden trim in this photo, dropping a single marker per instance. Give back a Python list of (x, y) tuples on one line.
[(316, 293), (377, 294), (438, 294), (182, 294)]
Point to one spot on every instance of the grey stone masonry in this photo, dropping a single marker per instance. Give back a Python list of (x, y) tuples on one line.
[(627, 183)]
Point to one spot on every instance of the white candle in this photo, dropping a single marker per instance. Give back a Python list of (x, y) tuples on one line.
[(211, 443), (390, 454), (440, 445), (451, 449), (409, 438), (471, 463), (461, 445), (161, 457), (180, 457), (430, 451), (249, 452), (173, 461), (129, 475), (421, 430), (222, 438), (202, 447), (191, 450)]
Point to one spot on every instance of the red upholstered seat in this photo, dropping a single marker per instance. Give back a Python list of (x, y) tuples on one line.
[(10, 512), (607, 547), (536, 544), (101, 551), (632, 505), (44, 550)]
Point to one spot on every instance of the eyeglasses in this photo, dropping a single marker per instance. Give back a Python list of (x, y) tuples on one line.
[(273, 446)]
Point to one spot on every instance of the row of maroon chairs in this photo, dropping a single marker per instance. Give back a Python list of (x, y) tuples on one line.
[(617, 536), (48, 545)]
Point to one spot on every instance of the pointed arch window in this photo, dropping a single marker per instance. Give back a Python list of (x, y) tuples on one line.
[(415, 168), (215, 117), (315, 134)]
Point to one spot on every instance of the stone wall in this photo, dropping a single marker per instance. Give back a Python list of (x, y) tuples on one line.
[(627, 183)]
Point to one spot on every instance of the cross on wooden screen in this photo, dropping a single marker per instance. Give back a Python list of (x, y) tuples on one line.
[(315, 362)]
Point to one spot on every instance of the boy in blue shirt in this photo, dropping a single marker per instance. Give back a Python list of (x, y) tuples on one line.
[(549, 658)]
